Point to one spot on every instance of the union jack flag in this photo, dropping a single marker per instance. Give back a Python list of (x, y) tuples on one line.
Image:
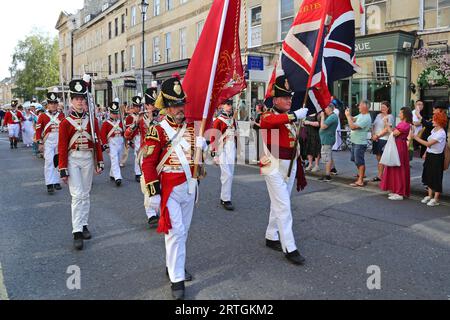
[(319, 49)]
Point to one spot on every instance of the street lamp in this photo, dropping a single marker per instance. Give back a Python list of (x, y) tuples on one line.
[(143, 6)]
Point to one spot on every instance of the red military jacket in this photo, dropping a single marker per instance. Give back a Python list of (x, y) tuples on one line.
[(111, 129), (13, 117), (157, 145), (79, 138), (144, 124), (279, 136), (45, 125), (222, 123)]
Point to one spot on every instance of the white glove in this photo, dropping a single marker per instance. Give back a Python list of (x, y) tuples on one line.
[(201, 143), (301, 113), (154, 202)]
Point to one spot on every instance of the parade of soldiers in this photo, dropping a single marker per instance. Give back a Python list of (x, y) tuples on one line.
[(164, 145)]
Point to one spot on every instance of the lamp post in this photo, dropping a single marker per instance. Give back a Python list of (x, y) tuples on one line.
[(143, 6)]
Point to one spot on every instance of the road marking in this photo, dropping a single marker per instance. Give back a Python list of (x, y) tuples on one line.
[(3, 292)]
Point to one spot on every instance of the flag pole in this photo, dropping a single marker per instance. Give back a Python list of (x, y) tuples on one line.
[(198, 151), (308, 87)]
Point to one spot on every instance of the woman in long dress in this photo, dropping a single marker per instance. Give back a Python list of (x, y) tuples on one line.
[(398, 179), (28, 129)]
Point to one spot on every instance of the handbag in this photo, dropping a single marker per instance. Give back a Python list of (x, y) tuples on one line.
[(390, 157), (446, 157)]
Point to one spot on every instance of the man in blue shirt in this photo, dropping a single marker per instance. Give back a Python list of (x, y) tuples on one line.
[(360, 126), (328, 125)]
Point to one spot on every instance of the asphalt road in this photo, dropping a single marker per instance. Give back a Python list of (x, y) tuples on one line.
[(341, 232)]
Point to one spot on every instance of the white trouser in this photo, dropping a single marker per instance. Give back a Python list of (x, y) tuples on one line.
[(181, 208), (50, 149), (227, 160), (13, 130), (116, 146), (137, 147), (81, 171), (150, 212), (280, 220), (28, 133)]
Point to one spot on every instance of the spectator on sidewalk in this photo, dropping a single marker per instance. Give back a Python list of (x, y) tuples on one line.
[(260, 109), (360, 127), (380, 133), (398, 179), (313, 146), (438, 107), (433, 168), (328, 124), (2, 115), (417, 121)]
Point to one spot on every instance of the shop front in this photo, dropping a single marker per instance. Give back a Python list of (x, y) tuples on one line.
[(385, 75)]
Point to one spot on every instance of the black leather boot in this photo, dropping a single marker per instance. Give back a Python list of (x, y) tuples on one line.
[(296, 258), (86, 234), (78, 241), (178, 290)]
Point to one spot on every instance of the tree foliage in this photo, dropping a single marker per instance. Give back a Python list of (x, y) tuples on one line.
[(35, 63)]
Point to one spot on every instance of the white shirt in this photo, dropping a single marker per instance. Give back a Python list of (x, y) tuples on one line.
[(441, 138), (378, 125), (416, 119)]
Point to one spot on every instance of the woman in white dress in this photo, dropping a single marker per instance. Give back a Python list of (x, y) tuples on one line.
[(28, 128)]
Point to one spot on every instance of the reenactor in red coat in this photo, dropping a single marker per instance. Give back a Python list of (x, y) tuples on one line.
[(224, 151), (78, 149), (135, 143), (112, 137), (279, 135), (47, 133), (168, 180), (13, 120), (140, 127)]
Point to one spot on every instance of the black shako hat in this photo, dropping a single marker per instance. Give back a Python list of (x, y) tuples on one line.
[(52, 97), (281, 88), (114, 108), (151, 94), (172, 94), (78, 88), (136, 101)]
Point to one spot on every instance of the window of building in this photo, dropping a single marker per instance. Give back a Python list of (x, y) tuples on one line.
[(375, 16), (123, 23), (436, 14), (255, 27), (109, 65), (133, 16), (156, 50), (116, 62), (169, 5), (183, 44), (381, 69), (122, 61), (132, 57), (286, 17), (156, 7), (110, 30), (168, 38), (200, 29), (116, 27)]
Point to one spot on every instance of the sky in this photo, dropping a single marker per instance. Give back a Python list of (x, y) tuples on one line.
[(18, 18)]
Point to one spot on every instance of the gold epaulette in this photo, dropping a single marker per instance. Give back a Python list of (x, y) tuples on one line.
[(152, 133)]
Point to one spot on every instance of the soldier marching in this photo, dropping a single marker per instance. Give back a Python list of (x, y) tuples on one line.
[(47, 134), (140, 128), (13, 120), (79, 156)]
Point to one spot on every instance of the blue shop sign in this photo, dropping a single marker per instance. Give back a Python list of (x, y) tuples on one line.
[(255, 63)]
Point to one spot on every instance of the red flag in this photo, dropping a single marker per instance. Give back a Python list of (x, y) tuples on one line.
[(361, 8), (215, 69)]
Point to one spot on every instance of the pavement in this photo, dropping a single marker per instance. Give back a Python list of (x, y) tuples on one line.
[(344, 234), (347, 171)]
